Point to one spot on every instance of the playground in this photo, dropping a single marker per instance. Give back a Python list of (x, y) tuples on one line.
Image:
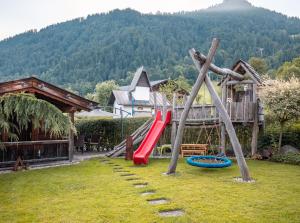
[(95, 191), (207, 186)]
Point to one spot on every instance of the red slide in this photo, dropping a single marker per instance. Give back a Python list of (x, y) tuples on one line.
[(142, 154)]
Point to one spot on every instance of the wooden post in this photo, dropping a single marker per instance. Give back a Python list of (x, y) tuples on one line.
[(255, 129), (164, 110), (71, 138), (228, 124), (188, 104), (223, 133), (173, 131), (155, 103), (230, 130), (129, 148)]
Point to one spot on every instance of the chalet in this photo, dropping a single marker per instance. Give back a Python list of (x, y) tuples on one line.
[(34, 145), (139, 98)]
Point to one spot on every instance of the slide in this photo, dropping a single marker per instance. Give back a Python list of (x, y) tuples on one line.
[(142, 154)]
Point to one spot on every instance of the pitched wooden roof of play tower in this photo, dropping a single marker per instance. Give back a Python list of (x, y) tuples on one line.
[(64, 100)]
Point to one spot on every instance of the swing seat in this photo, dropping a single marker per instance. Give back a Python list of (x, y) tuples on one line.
[(209, 161)]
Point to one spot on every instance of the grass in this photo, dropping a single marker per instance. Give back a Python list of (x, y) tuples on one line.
[(93, 192)]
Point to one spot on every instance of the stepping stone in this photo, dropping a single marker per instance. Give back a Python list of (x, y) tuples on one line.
[(134, 178), (127, 174), (140, 185), (121, 171), (171, 213), (158, 201), (146, 193)]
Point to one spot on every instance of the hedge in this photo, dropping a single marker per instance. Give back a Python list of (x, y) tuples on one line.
[(110, 133), (109, 130)]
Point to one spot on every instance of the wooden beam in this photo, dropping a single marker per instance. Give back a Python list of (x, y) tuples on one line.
[(174, 125), (255, 129), (239, 82), (229, 126), (202, 73), (221, 71), (71, 138), (155, 103), (29, 143)]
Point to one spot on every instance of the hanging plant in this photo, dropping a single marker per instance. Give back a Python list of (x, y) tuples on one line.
[(25, 108)]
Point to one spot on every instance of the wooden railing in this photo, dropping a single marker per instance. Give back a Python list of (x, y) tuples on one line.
[(33, 151), (237, 111)]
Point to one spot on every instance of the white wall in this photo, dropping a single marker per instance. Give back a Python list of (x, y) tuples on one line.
[(141, 93)]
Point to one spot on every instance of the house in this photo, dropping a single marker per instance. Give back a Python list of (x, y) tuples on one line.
[(139, 98), (36, 145)]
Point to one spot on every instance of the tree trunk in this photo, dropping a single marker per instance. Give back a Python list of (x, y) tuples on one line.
[(280, 135), (188, 104)]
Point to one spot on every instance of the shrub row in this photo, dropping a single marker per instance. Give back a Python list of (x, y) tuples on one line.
[(290, 158)]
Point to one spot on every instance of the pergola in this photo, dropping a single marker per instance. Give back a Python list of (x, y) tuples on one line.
[(35, 140)]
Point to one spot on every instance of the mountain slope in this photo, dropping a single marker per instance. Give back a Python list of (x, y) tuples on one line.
[(82, 52)]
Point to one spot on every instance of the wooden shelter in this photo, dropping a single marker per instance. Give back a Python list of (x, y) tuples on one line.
[(34, 145)]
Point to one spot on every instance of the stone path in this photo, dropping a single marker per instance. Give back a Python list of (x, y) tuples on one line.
[(133, 177)]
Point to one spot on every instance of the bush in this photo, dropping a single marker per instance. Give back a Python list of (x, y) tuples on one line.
[(290, 158)]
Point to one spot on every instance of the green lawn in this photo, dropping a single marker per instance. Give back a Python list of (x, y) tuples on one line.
[(93, 192)]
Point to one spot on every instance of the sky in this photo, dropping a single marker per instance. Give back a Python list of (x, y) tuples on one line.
[(17, 16)]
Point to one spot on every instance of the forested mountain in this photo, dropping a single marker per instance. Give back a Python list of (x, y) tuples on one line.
[(84, 51)]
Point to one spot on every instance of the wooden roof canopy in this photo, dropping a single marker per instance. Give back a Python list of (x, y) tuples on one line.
[(64, 100)]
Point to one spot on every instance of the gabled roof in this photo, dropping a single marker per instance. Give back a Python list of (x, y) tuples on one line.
[(245, 68), (122, 98), (249, 69), (152, 84), (64, 100), (140, 73)]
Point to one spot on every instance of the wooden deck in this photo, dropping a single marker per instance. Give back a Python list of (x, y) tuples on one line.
[(239, 112)]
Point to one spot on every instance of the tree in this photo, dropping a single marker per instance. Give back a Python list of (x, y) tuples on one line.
[(289, 69), (172, 86), (259, 64), (26, 108), (282, 99), (103, 91)]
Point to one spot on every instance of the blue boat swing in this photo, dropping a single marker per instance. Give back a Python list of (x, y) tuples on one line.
[(209, 161)]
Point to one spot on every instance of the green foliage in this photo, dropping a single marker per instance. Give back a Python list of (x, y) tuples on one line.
[(259, 64), (290, 158), (282, 99), (181, 83), (103, 91), (289, 69), (26, 108), (83, 52), (109, 130)]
